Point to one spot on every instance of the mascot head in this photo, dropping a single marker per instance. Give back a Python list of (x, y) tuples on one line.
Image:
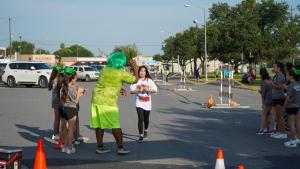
[(116, 60)]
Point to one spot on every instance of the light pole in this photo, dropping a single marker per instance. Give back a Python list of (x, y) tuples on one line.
[(205, 43)]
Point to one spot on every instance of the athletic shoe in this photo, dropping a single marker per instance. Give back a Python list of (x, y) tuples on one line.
[(261, 131), (123, 151), (271, 132), (71, 151), (63, 149), (102, 150), (279, 136), (145, 134), (297, 141), (76, 142), (291, 143), (141, 139), (55, 137)]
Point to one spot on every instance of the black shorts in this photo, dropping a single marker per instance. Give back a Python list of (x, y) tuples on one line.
[(69, 113), (61, 111), (278, 102), (292, 111)]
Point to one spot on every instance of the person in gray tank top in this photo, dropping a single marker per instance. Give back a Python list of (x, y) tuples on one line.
[(278, 97), (292, 105), (70, 95), (267, 117), (54, 86)]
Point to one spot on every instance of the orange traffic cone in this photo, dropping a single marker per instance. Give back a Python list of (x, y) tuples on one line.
[(40, 158), (210, 102), (220, 160), (59, 143), (241, 167)]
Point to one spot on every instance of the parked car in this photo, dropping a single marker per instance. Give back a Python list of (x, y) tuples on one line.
[(26, 73), (2, 66), (86, 73), (98, 67)]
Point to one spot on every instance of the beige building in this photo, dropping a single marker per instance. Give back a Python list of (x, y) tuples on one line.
[(2, 52), (69, 61), (50, 59)]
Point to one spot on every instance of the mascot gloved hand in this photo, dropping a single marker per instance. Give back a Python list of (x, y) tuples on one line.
[(104, 106)]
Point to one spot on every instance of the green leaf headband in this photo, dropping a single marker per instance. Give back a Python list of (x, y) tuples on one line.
[(69, 71), (297, 72), (57, 68)]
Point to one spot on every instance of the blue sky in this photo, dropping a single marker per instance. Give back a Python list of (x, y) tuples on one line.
[(100, 24)]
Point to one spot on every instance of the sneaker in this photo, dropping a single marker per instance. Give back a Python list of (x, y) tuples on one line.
[(261, 131), (271, 132), (70, 151), (297, 141), (145, 134), (279, 136), (76, 142), (141, 139), (291, 143), (123, 151), (55, 137), (63, 149), (102, 150)]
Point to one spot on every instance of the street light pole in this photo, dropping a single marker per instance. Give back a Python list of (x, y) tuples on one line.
[(205, 41), (205, 44)]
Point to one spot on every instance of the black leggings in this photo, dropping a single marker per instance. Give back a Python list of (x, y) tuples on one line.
[(143, 116)]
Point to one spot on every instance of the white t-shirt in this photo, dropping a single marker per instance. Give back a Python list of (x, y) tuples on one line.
[(143, 99)]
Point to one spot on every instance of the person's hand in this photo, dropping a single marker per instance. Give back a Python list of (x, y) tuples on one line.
[(123, 93), (146, 88), (81, 91), (285, 86), (133, 64)]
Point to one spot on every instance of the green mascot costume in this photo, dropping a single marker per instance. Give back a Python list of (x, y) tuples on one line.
[(104, 106)]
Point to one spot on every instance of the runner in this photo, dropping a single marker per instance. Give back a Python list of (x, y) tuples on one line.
[(70, 96), (143, 89), (104, 106), (278, 97), (55, 101), (266, 126), (292, 104)]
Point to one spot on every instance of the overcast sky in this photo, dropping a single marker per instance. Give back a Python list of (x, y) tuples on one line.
[(100, 24)]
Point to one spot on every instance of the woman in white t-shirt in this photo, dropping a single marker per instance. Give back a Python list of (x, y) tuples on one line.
[(143, 89)]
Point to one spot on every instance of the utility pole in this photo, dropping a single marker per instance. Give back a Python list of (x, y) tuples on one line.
[(20, 47), (205, 44), (10, 45)]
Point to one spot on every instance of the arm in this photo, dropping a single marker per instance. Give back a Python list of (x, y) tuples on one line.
[(80, 92), (134, 68)]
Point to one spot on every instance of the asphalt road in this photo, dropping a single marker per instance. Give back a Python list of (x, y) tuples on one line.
[(182, 134)]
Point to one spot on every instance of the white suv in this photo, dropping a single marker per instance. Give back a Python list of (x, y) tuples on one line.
[(86, 73), (26, 73)]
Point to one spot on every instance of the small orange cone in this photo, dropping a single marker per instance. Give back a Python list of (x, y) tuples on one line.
[(241, 167), (220, 160), (40, 158), (210, 102), (59, 143)]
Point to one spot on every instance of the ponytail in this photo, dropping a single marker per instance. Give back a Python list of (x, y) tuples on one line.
[(65, 86), (53, 75)]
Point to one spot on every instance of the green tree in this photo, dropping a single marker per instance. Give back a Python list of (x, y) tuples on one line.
[(66, 52), (25, 46), (74, 51), (131, 51), (41, 51)]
